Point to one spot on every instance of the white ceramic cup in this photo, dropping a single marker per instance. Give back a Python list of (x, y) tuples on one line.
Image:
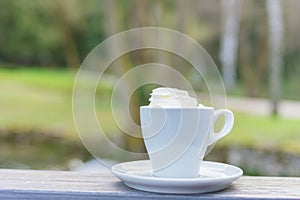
[(176, 139)]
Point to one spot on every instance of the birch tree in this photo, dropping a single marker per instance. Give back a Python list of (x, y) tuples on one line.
[(275, 19), (229, 40)]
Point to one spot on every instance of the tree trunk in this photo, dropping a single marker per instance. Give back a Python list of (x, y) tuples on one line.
[(229, 40), (68, 40), (253, 51), (275, 51), (120, 67)]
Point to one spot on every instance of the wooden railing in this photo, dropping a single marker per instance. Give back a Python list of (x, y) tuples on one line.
[(28, 184)]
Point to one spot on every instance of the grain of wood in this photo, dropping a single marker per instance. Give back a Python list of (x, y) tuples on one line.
[(28, 184)]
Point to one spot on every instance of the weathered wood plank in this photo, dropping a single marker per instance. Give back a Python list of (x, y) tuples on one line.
[(27, 184)]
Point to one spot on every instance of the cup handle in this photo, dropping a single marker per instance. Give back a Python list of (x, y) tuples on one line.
[(228, 125)]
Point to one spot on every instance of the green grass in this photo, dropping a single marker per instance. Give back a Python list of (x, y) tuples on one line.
[(265, 132), (36, 99), (45, 79), (41, 99)]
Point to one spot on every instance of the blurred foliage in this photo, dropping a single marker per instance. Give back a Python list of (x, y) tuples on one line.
[(61, 33), (31, 32)]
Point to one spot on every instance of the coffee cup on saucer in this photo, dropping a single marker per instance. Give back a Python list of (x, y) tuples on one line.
[(177, 132)]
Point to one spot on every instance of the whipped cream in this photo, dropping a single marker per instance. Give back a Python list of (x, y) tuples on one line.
[(171, 97)]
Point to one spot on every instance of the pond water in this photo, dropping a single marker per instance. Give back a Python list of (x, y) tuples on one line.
[(36, 150), (258, 162), (47, 151)]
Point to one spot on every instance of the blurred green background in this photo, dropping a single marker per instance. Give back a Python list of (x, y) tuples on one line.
[(255, 44)]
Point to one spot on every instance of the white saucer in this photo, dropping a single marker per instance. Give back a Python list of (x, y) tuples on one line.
[(213, 177)]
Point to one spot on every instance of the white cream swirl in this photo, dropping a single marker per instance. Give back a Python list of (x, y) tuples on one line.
[(171, 97)]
